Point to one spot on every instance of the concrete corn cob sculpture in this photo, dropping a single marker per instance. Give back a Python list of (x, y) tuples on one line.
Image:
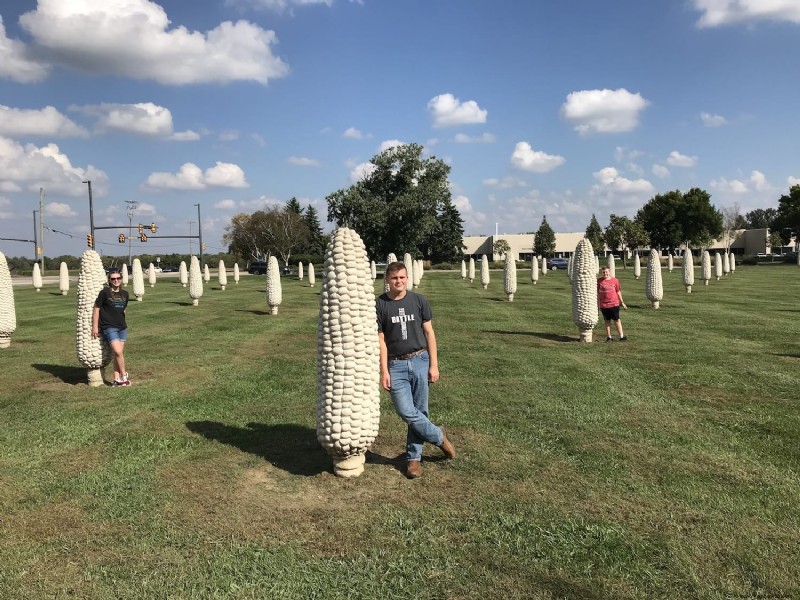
[(8, 314), (274, 290), (654, 289), (183, 274), (206, 273), (534, 270), (125, 274), (471, 273), (348, 356), (612, 265), (544, 265), (311, 276), (705, 267), (733, 263), (510, 281), (195, 281), (463, 269), (138, 280), (570, 262), (688, 270), (485, 272), (670, 263), (222, 275), (236, 273), (63, 278), (37, 277), (726, 263), (390, 258), (151, 275), (93, 353), (409, 263), (373, 271), (584, 290), (300, 271), (717, 265), (637, 266)]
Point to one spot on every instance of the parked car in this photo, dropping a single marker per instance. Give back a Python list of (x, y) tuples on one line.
[(557, 263), (169, 269), (258, 267)]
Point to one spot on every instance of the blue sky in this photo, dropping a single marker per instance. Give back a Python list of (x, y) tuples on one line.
[(562, 109)]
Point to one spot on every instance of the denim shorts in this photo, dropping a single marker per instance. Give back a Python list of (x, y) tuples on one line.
[(112, 334)]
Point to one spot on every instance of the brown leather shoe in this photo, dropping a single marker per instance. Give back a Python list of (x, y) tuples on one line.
[(447, 446), (413, 469)]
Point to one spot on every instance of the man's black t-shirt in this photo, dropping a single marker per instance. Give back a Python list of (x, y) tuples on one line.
[(112, 308), (401, 322)]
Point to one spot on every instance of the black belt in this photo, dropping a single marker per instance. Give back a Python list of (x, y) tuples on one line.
[(407, 356)]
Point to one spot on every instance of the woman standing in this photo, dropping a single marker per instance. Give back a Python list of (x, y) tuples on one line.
[(109, 317)]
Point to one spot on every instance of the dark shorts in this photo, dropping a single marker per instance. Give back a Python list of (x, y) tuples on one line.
[(610, 314)]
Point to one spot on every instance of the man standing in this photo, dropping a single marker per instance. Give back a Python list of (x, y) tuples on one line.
[(408, 363), (609, 299)]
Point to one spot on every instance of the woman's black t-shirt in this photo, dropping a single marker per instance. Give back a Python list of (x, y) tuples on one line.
[(112, 308)]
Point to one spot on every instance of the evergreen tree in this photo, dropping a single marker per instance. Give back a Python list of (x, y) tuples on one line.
[(594, 233), (544, 242), (446, 243), (294, 206), (316, 239)]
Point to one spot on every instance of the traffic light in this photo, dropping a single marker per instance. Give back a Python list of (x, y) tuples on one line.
[(89, 240), (121, 238), (203, 247), (153, 228), (143, 238), (141, 229)]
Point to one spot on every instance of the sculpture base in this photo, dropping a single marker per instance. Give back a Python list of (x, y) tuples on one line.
[(5, 340), (586, 336), (223, 288), (273, 310), (656, 304), (95, 377), (63, 293), (510, 297), (352, 466), (688, 289), (195, 301)]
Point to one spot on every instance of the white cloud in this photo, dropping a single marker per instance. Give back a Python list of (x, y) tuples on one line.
[(610, 181), (16, 62), (31, 167), (603, 111), (505, 183), (622, 154), (228, 136), (5, 209), (226, 204), (463, 138), (59, 209), (143, 118), (16, 122), (191, 177), (473, 219), (792, 181), (728, 12), (355, 134), (131, 38), (302, 161), (185, 136), (676, 159), (447, 111), (660, 171), (278, 6), (527, 159), (710, 120), (360, 171), (259, 139), (385, 145), (757, 182)]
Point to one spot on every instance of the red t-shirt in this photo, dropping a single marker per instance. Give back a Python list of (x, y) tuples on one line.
[(607, 292)]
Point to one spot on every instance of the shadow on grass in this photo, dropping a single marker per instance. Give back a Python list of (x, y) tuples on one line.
[(553, 337), (293, 448), (179, 303), (786, 355), (67, 374), (254, 312)]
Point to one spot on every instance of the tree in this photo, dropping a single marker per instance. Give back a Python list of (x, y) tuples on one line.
[(396, 207), (544, 242), (731, 219), (594, 233), (274, 231), (787, 219), (316, 239), (635, 235), (761, 218), (501, 247), (293, 205), (775, 241), (674, 218), (446, 243), (614, 235)]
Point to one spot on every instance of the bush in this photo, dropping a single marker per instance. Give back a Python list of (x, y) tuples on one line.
[(445, 267)]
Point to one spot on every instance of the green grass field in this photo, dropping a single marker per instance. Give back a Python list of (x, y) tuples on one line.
[(668, 467)]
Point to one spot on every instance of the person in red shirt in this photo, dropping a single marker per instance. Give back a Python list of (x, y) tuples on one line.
[(609, 299)]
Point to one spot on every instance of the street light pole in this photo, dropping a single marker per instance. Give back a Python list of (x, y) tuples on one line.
[(200, 234), (132, 205), (41, 226), (190, 238)]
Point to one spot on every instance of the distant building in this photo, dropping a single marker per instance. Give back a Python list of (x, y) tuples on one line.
[(747, 242)]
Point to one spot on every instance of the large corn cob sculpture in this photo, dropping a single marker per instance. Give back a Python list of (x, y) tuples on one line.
[(612, 265), (151, 275), (417, 272), (463, 269), (183, 274), (206, 273), (138, 280), (705, 267), (125, 274), (8, 315), (726, 263), (409, 263), (484, 272), (274, 290), (93, 353), (348, 356), (534, 270), (300, 271), (373, 271), (63, 278), (37, 277), (670, 263), (236, 273), (584, 290), (637, 266), (510, 277), (195, 281), (717, 265), (733, 263), (544, 265), (311, 276), (471, 272), (222, 275), (654, 289), (390, 258), (688, 270)]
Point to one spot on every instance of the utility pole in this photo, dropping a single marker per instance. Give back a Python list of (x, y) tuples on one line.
[(200, 234), (132, 205), (35, 241), (41, 226), (190, 238)]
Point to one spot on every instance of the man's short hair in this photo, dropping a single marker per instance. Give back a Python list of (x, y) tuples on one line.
[(394, 267)]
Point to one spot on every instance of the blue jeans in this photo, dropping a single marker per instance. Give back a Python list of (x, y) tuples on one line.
[(409, 393), (113, 334)]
